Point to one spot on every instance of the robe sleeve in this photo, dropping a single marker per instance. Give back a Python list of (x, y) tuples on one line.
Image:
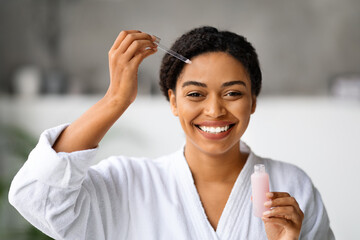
[(316, 224), (291, 179), (60, 194)]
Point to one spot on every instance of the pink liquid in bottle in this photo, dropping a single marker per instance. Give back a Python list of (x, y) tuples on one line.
[(260, 186)]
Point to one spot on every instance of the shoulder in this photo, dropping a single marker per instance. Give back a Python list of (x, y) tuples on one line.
[(286, 177), (285, 174), (281, 171)]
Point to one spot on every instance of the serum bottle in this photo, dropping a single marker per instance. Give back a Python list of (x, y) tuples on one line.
[(260, 186)]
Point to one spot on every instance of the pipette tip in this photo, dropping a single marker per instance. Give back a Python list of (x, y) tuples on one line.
[(169, 51)]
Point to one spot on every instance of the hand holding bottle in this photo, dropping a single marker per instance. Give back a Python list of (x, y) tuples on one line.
[(284, 219), (279, 211)]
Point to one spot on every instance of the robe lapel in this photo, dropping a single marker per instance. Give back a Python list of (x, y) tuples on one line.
[(198, 222), (237, 206), (234, 218)]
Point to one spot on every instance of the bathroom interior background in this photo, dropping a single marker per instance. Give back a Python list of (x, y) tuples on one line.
[(53, 66)]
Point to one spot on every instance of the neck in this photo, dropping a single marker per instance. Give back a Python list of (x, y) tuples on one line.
[(215, 168)]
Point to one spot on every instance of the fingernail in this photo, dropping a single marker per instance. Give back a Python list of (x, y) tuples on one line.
[(267, 204), (156, 39), (270, 194), (266, 213)]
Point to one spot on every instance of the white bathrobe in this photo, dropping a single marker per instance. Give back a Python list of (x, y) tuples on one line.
[(68, 197)]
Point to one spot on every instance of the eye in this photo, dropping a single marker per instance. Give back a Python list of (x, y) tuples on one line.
[(233, 94), (194, 94)]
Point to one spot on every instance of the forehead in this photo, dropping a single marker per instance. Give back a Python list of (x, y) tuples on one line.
[(214, 66)]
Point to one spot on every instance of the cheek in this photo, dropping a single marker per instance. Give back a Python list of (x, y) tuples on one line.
[(187, 112), (242, 112), (241, 108)]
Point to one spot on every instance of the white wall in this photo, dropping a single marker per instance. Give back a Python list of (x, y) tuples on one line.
[(301, 44), (319, 134)]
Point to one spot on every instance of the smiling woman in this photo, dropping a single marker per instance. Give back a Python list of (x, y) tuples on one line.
[(202, 191), (211, 102)]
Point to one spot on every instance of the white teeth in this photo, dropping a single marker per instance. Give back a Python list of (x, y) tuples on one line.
[(214, 130)]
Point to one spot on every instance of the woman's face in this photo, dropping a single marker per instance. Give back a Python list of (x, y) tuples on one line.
[(213, 102)]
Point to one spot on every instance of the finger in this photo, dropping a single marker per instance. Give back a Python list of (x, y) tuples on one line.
[(273, 195), (138, 47), (121, 37), (284, 201), (131, 38), (278, 221), (286, 212), (138, 58), (283, 212)]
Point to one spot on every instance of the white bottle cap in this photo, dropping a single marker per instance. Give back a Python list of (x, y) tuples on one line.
[(259, 168)]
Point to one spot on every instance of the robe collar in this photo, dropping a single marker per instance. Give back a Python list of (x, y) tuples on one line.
[(231, 217)]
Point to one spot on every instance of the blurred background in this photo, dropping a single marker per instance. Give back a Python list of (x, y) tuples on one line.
[(53, 66)]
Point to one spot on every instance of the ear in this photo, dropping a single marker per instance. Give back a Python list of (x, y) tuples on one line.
[(172, 100), (253, 104)]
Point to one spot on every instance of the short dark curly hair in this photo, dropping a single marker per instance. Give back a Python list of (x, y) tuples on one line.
[(209, 39)]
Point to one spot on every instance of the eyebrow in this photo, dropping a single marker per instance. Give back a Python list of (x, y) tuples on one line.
[(226, 84), (231, 83), (194, 83)]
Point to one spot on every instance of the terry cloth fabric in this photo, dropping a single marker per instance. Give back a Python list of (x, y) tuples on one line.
[(69, 196)]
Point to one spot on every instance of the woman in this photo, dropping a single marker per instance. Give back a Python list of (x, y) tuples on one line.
[(200, 192)]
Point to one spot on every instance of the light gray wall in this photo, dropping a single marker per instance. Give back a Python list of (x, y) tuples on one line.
[(301, 44)]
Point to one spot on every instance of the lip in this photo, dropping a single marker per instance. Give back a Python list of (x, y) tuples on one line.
[(215, 136)]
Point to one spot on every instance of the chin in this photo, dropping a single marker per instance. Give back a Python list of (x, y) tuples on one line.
[(216, 148)]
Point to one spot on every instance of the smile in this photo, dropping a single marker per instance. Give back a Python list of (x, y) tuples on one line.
[(214, 130)]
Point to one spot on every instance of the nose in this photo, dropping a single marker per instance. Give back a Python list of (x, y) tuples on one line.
[(214, 108)]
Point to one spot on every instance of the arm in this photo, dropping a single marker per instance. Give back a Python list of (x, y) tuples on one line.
[(125, 56), (56, 190)]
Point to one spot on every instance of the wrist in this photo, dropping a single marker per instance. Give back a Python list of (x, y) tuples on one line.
[(116, 102)]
